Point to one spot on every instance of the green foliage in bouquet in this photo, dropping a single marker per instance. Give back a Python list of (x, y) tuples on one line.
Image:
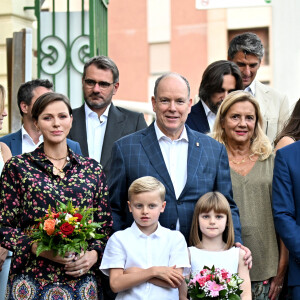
[(66, 229)]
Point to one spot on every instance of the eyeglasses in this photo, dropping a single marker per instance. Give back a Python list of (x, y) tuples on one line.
[(102, 84)]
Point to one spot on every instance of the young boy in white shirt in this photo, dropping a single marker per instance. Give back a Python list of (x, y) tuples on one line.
[(146, 260)]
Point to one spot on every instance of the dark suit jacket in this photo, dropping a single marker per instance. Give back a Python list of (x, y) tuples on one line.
[(197, 119), (139, 155), (286, 204), (120, 122), (14, 142)]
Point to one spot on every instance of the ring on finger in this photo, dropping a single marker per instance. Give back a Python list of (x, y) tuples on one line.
[(80, 272)]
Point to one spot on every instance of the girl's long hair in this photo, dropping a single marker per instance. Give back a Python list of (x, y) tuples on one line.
[(218, 203)]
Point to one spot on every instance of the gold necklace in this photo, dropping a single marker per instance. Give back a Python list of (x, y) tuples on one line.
[(243, 160), (61, 173), (56, 158)]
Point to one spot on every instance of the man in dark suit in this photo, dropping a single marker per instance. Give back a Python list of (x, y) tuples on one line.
[(219, 78), (97, 124), (187, 162), (28, 138), (286, 208)]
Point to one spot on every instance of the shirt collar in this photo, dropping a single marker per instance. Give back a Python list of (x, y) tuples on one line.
[(158, 232), (160, 135), (207, 109), (89, 112), (25, 134), (252, 87)]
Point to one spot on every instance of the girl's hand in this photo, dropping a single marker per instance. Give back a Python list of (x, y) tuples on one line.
[(82, 263), (248, 255), (50, 255)]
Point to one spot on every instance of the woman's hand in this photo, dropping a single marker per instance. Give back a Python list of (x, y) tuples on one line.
[(3, 254), (56, 258), (81, 264)]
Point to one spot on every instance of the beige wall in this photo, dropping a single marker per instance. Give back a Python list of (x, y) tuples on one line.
[(12, 18)]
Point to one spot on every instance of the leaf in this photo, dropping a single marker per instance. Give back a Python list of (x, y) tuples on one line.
[(234, 297), (41, 248)]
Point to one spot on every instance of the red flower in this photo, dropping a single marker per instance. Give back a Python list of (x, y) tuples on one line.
[(78, 216), (67, 228), (201, 281)]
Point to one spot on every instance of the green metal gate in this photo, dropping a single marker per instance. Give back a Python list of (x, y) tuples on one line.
[(66, 39)]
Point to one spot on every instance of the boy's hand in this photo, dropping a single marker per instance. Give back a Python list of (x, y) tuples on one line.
[(170, 275)]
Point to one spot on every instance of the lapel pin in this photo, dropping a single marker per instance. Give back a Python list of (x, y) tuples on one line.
[(197, 144)]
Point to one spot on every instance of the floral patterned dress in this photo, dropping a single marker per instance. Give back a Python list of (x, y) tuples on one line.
[(28, 186)]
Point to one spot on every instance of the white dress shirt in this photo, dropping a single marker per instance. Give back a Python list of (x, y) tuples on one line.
[(175, 154), (95, 129), (251, 88), (132, 248), (211, 117), (28, 144)]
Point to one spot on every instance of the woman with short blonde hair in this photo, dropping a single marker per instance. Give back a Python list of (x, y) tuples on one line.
[(238, 126)]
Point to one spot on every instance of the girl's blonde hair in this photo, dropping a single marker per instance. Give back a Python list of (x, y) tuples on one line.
[(2, 98), (218, 203), (260, 144)]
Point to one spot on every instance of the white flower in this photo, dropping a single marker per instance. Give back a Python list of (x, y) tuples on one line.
[(68, 216), (57, 221)]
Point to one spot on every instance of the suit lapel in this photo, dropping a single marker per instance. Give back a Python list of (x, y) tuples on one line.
[(201, 122), (16, 143), (78, 131), (152, 150), (194, 158), (262, 96), (114, 131)]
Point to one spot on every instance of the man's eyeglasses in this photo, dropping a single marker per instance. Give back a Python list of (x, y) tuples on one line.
[(102, 84)]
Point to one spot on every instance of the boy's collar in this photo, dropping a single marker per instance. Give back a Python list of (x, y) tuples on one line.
[(157, 232)]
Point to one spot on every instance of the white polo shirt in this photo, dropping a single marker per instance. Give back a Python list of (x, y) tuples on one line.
[(132, 248)]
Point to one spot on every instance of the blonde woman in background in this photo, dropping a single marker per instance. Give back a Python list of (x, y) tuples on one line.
[(5, 154), (238, 126)]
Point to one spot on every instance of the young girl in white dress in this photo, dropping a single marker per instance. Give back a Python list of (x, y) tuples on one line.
[(212, 240)]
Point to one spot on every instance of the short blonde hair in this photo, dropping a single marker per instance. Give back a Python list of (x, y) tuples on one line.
[(2, 98), (260, 144), (218, 203), (146, 184)]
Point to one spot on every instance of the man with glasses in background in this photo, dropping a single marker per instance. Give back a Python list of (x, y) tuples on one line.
[(97, 124)]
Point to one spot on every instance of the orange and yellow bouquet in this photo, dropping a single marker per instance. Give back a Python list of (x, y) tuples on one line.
[(66, 229)]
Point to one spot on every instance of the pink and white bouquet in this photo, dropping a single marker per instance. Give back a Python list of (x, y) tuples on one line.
[(65, 229), (215, 283)]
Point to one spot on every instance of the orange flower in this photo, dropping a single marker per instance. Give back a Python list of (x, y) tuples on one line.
[(49, 226)]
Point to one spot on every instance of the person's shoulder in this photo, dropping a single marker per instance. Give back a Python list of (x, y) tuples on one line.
[(8, 137), (284, 141), (266, 88), (128, 112), (134, 137), (241, 254), (173, 235), (122, 236), (6, 153), (287, 150)]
